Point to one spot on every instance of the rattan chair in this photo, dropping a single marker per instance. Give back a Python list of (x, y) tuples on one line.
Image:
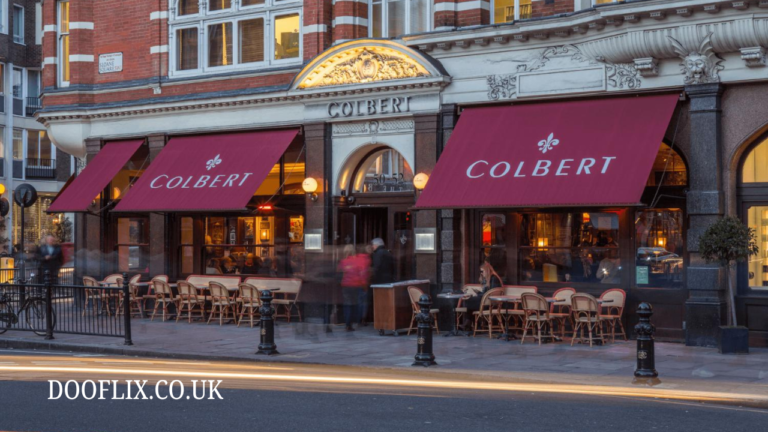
[(188, 300), (560, 310), (249, 300), (222, 303), (536, 310), (163, 297), (487, 312), (461, 310), (416, 293), (586, 316), (613, 310), (150, 295), (93, 293), (134, 300)]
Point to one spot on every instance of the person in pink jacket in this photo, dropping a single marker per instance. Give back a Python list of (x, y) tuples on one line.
[(355, 269)]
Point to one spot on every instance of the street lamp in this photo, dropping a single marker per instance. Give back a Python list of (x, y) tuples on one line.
[(310, 187)]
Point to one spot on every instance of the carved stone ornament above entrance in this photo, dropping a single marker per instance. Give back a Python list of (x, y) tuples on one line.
[(699, 66), (361, 62)]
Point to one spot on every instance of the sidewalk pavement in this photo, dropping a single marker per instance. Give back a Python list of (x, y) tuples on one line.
[(680, 367)]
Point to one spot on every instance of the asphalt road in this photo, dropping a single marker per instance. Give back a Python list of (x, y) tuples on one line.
[(274, 398)]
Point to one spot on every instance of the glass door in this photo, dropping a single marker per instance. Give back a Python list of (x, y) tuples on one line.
[(757, 267)]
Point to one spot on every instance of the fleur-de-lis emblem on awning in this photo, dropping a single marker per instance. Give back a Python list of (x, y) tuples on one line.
[(547, 144), (213, 162)]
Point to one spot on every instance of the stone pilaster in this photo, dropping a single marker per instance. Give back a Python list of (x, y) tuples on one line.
[(426, 143), (159, 235), (705, 308), (450, 220)]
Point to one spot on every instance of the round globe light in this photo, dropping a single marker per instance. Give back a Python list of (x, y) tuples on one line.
[(420, 181), (309, 185), (2, 188)]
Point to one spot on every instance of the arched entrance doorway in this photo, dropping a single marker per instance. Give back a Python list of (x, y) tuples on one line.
[(376, 185), (752, 191)]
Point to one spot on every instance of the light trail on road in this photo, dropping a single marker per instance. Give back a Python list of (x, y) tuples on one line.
[(235, 375)]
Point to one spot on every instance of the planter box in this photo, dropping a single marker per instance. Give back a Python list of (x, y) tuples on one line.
[(733, 340)]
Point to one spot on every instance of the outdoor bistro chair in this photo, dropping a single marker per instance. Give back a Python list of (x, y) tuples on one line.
[(93, 293), (503, 310), (134, 300), (163, 297), (461, 310), (586, 313), (536, 310), (249, 299), (112, 281), (188, 300), (150, 295), (613, 310), (286, 298), (487, 312), (415, 293), (221, 303), (560, 310)]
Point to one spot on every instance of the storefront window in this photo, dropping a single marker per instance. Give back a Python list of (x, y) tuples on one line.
[(659, 248), (187, 245), (38, 223), (755, 168), (668, 168), (133, 245), (570, 247), (757, 219), (493, 248)]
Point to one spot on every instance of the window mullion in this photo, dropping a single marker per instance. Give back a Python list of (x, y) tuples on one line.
[(517, 10)]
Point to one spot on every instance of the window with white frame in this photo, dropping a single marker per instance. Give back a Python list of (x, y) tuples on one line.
[(39, 149), (4, 16), (2, 82), (511, 10), (18, 83), (62, 57), (392, 18), (18, 24), (223, 35)]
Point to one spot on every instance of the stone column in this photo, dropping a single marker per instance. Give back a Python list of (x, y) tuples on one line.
[(159, 235), (426, 143), (705, 309), (89, 232), (450, 220), (319, 285)]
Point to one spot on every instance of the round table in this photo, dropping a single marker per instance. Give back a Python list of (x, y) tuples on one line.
[(453, 296)]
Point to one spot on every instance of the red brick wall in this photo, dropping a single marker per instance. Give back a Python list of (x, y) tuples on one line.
[(539, 9), (317, 12)]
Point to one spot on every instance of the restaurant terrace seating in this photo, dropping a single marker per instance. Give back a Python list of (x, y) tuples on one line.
[(188, 300), (150, 295), (613, 310), (586, 316), (487, 312), (222, 303), (248, 300), (134, 300), (287, 296), (461, 310), (415, 294), (560, 309), (536, 310), (93, 294), (163, 297), (202, 281), (505, 312)]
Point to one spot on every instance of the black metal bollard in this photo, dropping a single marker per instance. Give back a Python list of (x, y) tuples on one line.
[(127, 310), (424, 355), (48, 305), (267, 345), (646, 356)]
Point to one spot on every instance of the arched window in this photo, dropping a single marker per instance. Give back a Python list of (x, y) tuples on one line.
[(668, 168), (383, 170), (754, 211), (755, 166)]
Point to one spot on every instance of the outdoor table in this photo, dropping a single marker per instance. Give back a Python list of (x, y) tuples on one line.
[(453, 296), (506, 300)]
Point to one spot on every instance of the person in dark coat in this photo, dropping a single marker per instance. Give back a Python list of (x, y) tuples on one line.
[(383, 270), (50, 258)]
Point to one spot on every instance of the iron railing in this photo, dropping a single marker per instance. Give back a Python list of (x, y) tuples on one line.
[(33, 105), (41, 169), (51, 307)]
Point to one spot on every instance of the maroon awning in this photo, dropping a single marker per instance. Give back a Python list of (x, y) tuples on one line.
[(590, 152), (207, 172), (80, 193)]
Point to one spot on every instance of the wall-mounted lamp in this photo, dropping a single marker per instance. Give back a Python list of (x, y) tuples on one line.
[(264, 231), (310, 187), (420, 181)]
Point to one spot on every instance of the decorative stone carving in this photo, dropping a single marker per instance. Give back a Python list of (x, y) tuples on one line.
[(647, 67), (753, 57), (622, 75), (699, 66), (373, 127), (364, 65)]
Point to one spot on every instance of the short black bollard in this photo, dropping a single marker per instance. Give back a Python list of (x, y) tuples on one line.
[(127, 310), (48, 305), (646, 357), (267, 345), (424, 355)]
